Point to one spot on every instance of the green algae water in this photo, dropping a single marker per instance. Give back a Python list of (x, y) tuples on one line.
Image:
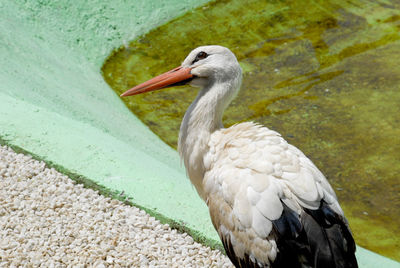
[(325, 74)]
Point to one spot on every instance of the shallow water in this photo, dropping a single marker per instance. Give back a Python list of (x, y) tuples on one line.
[(325, 75)]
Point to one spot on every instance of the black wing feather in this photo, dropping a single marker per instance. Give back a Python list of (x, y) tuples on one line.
[(317, 238), (290, 236), (334, 245)]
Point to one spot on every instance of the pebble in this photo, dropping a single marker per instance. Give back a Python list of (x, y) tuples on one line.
[(47, 220)]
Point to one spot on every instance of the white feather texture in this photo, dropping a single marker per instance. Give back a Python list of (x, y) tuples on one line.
[(243, 172), (265, 188)]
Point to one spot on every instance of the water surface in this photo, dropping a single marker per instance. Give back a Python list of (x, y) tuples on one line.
[(325, 74)]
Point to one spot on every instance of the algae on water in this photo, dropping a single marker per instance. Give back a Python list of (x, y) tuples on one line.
[(325, 74)]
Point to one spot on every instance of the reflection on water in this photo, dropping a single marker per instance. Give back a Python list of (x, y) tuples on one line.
[(325, 75)]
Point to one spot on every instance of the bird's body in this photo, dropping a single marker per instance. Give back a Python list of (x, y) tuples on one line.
[(269, 203)]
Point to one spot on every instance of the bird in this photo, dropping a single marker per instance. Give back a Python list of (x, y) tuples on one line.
[(271, 206)]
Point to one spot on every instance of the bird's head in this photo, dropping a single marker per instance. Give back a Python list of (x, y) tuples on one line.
[(203, 65)]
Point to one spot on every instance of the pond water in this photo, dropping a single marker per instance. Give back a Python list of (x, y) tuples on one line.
[(325, 74)]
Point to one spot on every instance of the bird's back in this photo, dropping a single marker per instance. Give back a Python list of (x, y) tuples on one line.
[(269, 203)]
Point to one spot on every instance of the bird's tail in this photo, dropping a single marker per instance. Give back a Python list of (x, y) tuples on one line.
[(330, 240)]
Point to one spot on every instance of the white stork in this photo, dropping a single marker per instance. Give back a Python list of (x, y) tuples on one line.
[(269, 203)]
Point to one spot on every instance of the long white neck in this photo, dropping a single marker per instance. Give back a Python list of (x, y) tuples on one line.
[(203, 117)]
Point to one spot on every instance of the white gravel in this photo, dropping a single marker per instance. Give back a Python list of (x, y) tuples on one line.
[(47, 220)]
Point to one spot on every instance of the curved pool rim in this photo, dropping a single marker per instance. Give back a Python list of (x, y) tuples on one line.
[(56, 106)]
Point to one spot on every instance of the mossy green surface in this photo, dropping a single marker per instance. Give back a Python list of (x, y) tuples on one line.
[(325, 74)]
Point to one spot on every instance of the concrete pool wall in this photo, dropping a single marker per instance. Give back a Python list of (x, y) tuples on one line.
[(55, 104)]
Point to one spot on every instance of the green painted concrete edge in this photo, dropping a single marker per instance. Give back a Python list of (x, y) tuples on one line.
[(56, 106), (119, 195), (152, 189)]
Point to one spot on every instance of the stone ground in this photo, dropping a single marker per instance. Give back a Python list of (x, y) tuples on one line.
[(48, 220)]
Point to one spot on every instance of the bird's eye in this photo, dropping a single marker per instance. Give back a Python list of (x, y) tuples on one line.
[(201, 55)]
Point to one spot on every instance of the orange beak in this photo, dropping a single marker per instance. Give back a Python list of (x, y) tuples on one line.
[(175, 77)]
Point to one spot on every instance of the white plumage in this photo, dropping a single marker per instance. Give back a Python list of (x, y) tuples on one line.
[(267, 200), (259, 181)]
